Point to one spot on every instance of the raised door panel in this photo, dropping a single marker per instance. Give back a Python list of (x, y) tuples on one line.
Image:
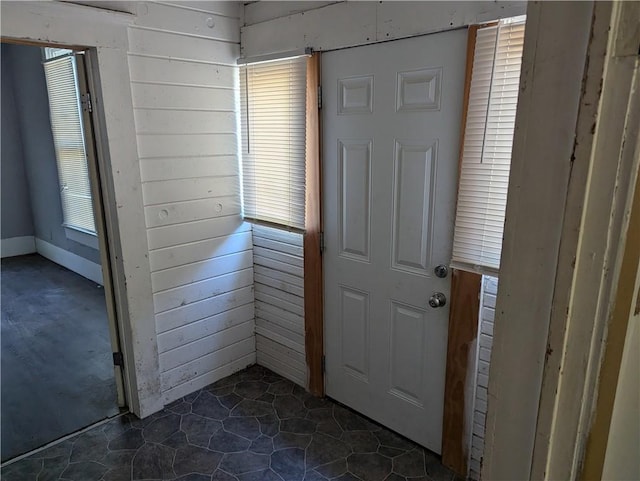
[(354, 198), (355, 322), (407, 353), (418, 90), (413, 187), (355, 95)]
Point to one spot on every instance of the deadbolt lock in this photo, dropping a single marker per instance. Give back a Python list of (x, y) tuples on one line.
[(441, 271)]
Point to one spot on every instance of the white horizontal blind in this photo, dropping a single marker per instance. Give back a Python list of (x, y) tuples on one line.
[(68, 139), (273, 105), (488, 139)]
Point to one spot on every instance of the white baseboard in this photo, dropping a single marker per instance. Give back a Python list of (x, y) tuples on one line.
[(17, 246), (73, 262)]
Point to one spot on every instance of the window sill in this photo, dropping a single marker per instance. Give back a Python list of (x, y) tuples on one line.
[(82, 237), (274, 225)]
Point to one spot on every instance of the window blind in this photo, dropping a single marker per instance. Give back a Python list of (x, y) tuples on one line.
[(68, 139), (486, 151), (273, 117)]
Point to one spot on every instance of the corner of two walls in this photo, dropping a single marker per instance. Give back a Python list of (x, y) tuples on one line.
[(184, 83), (203, 257)]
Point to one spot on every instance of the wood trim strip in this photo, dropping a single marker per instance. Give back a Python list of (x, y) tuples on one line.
[(313, 295), (37, 43), (463, 326), (463, 332), (471, 47)]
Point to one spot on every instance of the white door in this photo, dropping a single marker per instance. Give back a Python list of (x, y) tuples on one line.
[(391, 121)]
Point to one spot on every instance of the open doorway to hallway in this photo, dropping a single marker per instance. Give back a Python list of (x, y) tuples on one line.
[(58, 333)]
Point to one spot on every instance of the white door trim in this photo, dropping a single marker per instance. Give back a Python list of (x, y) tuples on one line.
[(601, 190), (565, 215)]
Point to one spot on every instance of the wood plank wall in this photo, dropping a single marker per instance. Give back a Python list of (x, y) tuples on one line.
[(279, 291), (184, 82)]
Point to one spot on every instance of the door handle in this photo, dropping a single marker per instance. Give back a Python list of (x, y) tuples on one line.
[(438, 299)]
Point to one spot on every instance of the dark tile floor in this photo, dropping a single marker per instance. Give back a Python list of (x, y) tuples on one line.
[(251, 426)]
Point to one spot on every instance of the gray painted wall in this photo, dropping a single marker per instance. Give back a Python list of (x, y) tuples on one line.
[(15, 204), (32, 105)]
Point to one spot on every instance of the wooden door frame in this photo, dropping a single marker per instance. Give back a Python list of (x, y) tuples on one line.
[(565, 222), (464, 317), (91, 124), (313, 237)]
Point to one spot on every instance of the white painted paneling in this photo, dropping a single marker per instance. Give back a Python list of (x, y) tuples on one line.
[(187, 145), (188, 211), (168, 168), (279, 302), (184, 86), (188, 22), (205, 345), (168, 97), (181, 72), (171, 235), (172, 46), (349, 24), (281, 359), (198, 251), (200, 367), (178, 190), (197, 291), (224, 9), (198, 271), (485, 341), (206, 327), (279, 316), (257, 12), (196, 311), (171, 122), (115, 5)]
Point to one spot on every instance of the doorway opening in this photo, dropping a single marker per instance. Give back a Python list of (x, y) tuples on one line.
[(59, 331)]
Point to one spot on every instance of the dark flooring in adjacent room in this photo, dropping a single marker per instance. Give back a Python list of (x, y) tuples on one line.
[(251, 426), (57, 369)]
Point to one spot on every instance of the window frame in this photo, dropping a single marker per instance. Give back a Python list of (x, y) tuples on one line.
[(73, 231), (296, 221), (463, 258)]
